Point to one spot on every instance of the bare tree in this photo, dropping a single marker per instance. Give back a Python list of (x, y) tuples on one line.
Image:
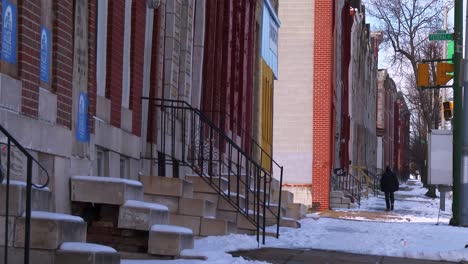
[(406, 25)]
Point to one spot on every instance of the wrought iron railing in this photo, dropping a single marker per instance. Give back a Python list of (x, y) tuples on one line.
[(346, 182), (5, 173), (187, 137)]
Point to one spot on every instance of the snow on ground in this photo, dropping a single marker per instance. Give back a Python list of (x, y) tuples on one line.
[(419, 237)]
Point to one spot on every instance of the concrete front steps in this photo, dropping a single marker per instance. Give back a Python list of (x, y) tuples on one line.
[(122, 219), (189, 209), (49, 231), (340, 200)]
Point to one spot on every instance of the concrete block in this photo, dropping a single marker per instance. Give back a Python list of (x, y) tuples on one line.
[(199, 184), (244, 223), (223, 204), (40, 198), (195, 207), (287, 197), (288, 222), (336, 194), (10, 93), (47, 106), (345, 200), (16, 256), (105, 190), (212, 197), (228, 215), (126, 119), (49, 230), (296, 211), (11, 230), (272, 211), (339, 206), (169, 240), (190, 222), (84, 253), (141, 215), (167, 186), (217, 227), (171, 202), (335, 200)]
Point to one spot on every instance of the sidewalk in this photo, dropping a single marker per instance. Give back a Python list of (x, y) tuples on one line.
[(295, 256)]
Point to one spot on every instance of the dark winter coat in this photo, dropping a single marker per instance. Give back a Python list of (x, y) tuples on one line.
[(389, 182)]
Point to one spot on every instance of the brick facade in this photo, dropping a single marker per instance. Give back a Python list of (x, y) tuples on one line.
[(136, 62), (29, 19), (62, 59), (323, 92), (92, 39), (115, 43)]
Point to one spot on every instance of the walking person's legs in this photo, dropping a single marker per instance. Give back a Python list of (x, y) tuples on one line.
[(387, 200), (392, 200)]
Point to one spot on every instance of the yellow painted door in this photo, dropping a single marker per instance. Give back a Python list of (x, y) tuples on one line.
[(267, 116)]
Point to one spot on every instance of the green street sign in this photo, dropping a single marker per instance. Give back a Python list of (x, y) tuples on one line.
[(440, 37)]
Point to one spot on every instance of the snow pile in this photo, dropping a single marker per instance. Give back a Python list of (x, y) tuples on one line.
[(215, 248), (145, 205), (171, 229), (54, 216), (86, 247), (108, 179)]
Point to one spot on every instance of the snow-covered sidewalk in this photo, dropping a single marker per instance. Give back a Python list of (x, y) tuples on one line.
[(409, 231)]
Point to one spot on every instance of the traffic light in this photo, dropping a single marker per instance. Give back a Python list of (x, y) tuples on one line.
[(423, 75), (448, 110), (442, 69)]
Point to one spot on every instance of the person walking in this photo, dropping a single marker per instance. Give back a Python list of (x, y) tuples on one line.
[(389, 184)]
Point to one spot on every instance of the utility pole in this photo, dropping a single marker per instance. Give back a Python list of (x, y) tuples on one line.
[(458, 113), (464, 176)]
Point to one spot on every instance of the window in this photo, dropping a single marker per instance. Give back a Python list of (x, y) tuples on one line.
[(126, 55), (100, 162), (101, 50)]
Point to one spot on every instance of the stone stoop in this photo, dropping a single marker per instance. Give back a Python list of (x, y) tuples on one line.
[(165, 186), (223, 204), (296, 211), (287, 197), (191, 222), (284, 222), (142, 215), (86, 253), (169, 240), (339, 201), (199, 184), (105, 190), (196, 207), (50, 230), (217, 227), (40, 198), (212, 197)]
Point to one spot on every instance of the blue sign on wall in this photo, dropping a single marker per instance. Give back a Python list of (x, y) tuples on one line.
[(8, 32), (45, 54), (82, 132)]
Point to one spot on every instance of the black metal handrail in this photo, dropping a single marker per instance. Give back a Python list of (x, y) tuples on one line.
[(29, 184), (187, 135), (348, 183)]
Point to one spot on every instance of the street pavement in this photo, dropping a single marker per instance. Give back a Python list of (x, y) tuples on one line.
[(313, 256)]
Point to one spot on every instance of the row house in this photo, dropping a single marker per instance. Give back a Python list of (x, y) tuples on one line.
[(107, 95), (325, 101)]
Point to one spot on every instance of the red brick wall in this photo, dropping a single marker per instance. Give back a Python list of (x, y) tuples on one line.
[(115, 43), (62, 59), (29, 18), (322, 103), (92, 31), (137, 58)]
